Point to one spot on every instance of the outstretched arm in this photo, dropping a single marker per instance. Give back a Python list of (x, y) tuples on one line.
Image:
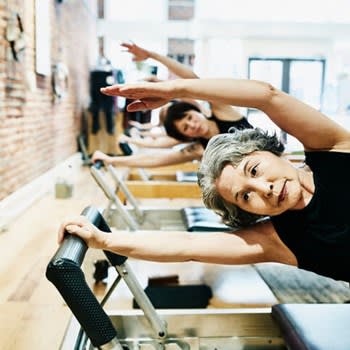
[(140, 54), (153, 141), (249, 246), (312, 128), (143, 126), (191, 152)]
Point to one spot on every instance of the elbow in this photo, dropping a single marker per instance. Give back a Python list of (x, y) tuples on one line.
[(268, 95)]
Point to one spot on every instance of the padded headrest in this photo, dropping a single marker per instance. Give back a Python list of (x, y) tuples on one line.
[(314, 326), (203, 219), (186, 176)]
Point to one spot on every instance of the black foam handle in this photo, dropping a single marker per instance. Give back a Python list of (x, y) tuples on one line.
[(126, 149), (65, 273), (98, 164), (69, 280)]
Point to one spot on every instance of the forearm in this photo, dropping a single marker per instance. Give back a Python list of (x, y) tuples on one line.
[(155, 142), (184, 246), (177, 68), (242, 93), (149, 161), (148, 245)]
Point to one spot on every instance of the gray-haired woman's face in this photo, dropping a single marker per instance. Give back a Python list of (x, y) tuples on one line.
[(263, 183)]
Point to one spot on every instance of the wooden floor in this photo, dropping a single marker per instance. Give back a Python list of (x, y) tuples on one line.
[(32, 313)]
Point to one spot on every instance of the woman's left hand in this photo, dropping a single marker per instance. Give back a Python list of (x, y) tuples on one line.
[(139, 53)]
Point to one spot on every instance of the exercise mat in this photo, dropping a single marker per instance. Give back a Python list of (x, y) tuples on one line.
[(293, 285)]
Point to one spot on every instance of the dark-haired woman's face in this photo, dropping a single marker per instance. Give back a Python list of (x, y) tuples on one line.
[(193, 124)]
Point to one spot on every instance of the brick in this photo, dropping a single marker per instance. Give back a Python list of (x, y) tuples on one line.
[(31, 127)]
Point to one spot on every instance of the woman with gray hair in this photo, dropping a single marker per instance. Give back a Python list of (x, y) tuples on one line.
[(243, 177), (231, 149)]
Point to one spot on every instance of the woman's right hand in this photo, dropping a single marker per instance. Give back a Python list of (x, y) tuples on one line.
[(80, 226), (98, 155), (139, 53)]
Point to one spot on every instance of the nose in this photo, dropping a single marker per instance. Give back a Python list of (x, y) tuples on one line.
[(191, 124), (264, 188)]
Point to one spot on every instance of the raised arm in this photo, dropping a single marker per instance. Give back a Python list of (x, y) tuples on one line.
[(223, 111), (189, 153), (141, 54), (312, 128), (249, 246)]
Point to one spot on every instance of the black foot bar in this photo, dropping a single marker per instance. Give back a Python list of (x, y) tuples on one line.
[(65, 273)]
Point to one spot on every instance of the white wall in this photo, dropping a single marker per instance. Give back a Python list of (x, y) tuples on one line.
[(228, 32), (275, 10), (134, 10)]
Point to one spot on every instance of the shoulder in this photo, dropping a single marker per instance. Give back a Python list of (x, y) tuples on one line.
[(225, 112), (265, 234), (327, 158)]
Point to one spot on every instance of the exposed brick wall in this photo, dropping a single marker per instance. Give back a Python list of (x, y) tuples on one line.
[(36, 133)]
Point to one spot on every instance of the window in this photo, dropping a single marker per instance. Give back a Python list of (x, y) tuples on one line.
[(182, 50), (302, 78), (180, 10)]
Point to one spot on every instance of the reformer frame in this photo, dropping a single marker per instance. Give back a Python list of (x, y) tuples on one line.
[(135, 217)]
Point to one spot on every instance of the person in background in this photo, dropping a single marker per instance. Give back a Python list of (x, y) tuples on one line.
[(283, 214), (184, 120)]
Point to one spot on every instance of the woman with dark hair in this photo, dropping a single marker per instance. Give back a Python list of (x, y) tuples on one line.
[(180, 116), (185, 121), (289, 215)]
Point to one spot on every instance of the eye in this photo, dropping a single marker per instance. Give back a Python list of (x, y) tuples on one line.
[(254, 170), (245, 196)]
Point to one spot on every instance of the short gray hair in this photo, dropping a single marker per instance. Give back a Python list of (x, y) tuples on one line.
[(231, 148)]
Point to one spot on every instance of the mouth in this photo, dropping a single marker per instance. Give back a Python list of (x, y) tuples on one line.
[(283, 193)]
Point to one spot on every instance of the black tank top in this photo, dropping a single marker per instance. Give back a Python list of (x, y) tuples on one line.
[(225, 125), (319, 234)]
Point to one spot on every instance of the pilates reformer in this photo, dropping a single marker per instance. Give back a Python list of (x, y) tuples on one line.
[(172, 181), (187, 172), (136, 218), (282, 327), (178, 181), (147, 328)]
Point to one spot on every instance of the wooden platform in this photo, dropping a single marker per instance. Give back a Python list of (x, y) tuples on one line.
[(162, 183), (163, 189), (163, 173)]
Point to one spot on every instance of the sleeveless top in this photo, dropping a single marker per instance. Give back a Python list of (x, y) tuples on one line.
[(319, 234), (225, 125)]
